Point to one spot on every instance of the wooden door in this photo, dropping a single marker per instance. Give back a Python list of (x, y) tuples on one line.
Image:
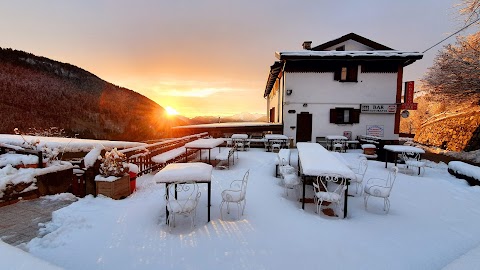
[(304, 127)]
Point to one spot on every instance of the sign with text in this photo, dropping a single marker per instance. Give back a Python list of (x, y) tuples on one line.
[(375, 130), (378, 108), (409, 89), (409, 106)]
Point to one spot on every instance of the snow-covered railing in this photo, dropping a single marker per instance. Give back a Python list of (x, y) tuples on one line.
[(142, 155), (20, 150)]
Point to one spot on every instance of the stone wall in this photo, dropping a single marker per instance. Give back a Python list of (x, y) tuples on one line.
[(460, 132)]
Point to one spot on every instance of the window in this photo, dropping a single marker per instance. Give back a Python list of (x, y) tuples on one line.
[(344, 116), (346, 73)]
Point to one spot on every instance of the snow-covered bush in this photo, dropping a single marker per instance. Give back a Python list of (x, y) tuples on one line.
[(113, 165)]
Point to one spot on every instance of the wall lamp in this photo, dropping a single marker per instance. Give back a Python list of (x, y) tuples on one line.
[(305, 104), (289, 92)]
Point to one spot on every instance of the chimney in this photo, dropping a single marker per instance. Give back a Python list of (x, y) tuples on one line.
[(307, 45)]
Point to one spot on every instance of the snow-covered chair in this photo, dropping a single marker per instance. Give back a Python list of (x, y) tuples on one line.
[(182, 199), (339, 145), (413, 160), (359, 174), (380, 188), (329, 188), (235, 194), (289, 177), (291, 181)]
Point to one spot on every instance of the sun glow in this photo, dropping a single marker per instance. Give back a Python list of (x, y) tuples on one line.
[(171, 111)]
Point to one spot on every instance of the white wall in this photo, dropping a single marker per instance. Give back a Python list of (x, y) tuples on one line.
[(351, 45), (321, 93)]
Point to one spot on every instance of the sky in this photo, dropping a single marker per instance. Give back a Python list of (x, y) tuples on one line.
[(212, 57)]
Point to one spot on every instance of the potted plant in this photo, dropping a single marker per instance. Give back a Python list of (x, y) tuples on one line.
[(113, 181)]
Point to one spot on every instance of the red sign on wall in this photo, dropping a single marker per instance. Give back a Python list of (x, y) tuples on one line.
[(408, 95), (409, 106)]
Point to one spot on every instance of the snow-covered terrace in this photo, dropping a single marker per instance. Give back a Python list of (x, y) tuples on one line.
[(433, 221)]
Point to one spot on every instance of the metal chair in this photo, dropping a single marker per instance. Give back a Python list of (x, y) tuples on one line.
[(182, 199), (235, 194), (329, 188), (359, 174), (289, 177), (380, 188), (413, 160), (338, 145)]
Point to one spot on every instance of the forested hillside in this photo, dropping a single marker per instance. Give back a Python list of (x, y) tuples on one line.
[(40, 93)]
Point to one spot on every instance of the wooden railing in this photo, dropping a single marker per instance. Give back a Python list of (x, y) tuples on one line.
[(142, 155)]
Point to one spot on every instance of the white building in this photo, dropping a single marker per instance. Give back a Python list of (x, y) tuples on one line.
[(348, 84)]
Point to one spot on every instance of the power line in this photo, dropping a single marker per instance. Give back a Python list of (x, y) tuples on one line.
[(463, 28)]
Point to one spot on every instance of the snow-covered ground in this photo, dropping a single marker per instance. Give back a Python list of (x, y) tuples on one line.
[(433, 221)]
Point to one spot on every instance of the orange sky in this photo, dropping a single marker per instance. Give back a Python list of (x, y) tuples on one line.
[(211, 57)]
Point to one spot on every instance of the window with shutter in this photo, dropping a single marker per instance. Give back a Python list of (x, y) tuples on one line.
[(344, 116), (346, 73)]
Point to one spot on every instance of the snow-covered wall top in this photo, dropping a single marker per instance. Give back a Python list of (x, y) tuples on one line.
[(349, 53), (67, 144)]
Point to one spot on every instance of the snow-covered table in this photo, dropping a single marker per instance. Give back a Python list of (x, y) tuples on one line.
[(396, 149), (280, 139), (202, 144), (186, 172), (240, 141), (314, 160), (332, 138)]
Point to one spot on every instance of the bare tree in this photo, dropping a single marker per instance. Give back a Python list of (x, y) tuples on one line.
[(455, 74)]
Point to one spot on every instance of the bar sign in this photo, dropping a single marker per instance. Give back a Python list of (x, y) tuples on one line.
[(409, 89)]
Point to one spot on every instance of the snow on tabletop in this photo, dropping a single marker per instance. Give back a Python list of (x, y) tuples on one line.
[(239, 136), (275, 137), (316, 160), (367, 146), (67, 144), (205, 143), (132, 234), (403, 148), (336, 137), (169, 155), (465, 169), (194, 171), (17, 259)]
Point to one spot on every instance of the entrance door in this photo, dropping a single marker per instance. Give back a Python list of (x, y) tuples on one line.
[(304, 127)]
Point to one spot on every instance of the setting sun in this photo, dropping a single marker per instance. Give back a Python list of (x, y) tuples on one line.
[(171, 111)]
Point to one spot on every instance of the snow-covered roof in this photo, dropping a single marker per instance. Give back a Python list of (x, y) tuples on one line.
[(230, 124), (351, 54)]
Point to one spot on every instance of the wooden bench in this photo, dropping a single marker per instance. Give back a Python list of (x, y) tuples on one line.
[(225, 155), (465, 171)]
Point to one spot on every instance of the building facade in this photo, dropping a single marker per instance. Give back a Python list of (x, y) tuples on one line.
[(350, 85)]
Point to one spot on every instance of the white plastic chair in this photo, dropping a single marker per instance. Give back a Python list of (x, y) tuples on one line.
[(359, 174), (182, 199), (329, 188), (413, 160), (380, 188), (235, 194)]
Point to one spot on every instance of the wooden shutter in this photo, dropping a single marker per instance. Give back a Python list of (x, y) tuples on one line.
[(333, 116), (337, 74), (355, 116), (352, 73)]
